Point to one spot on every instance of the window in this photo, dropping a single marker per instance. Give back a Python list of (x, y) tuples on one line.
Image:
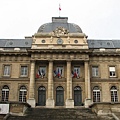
[(22, 94), (76, 72), (75, 41), (6, 70), (95, 71), (58, 72), (24, 70), (43, 41), (96, 94), (5, 93), (41, 72), (112, 72), (114, 96)]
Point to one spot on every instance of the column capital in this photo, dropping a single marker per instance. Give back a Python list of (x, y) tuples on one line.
[(69, 60), (50, 60), (32, 61), (86, 60)]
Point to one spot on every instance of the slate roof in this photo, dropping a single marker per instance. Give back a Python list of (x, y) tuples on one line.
[(14, 43), (110, 44), (27, 43), (59, 22)]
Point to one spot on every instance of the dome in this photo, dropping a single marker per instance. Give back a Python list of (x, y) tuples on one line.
[(59, 22)]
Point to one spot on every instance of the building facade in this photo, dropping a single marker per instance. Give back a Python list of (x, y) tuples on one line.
[(59, 66)]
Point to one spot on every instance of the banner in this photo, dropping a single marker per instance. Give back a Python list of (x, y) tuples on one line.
[(4, 108)]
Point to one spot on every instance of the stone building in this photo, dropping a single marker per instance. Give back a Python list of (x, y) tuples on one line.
[(59, 66)]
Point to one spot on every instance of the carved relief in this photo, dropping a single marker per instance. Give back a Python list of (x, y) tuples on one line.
[(68, 39), (60, 31)]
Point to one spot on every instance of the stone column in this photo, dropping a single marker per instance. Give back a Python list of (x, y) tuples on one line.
[(87, 85), (69, 100), (31, 99), (50, 101)]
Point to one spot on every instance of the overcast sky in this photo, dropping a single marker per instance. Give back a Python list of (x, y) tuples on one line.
[(99, 19)]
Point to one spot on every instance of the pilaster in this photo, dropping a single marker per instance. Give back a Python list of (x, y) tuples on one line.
[(69, 100), (31, 99), (50, 101), (87, 85)]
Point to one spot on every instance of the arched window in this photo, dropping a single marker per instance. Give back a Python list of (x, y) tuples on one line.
[(114, 95), (5, 93), (96, 94), (22, 94)]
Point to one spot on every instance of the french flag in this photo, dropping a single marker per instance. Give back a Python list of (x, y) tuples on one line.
[(38, 74), (59, 7)]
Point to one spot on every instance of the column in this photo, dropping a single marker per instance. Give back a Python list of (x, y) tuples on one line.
[(50, 101), (87, 85), (31, 99), (69, 100)]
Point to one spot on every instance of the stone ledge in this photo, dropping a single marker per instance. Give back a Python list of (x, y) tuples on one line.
[(15, 107), (105, 107)]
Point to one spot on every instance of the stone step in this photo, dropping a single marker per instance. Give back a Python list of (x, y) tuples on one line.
[(57, 114), (1, 117), (117, 114)]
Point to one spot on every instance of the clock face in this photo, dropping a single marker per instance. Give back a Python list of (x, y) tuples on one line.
[(59, 41)]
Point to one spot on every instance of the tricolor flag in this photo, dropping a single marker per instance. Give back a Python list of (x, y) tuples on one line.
[(38, 74), (59, 7), (75, 73), (58, 73)]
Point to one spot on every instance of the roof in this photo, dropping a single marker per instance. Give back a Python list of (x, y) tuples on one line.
[(27, 43), (14, 43), (59, 22), (110, 44)]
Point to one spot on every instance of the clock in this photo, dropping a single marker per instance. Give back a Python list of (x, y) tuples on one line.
[(59, 41)]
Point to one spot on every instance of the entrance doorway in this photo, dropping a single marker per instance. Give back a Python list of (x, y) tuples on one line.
[(77, 96), (41, 96), (59, 96)]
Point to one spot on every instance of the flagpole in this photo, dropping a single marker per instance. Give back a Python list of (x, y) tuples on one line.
[(59, 13), (59, 9)]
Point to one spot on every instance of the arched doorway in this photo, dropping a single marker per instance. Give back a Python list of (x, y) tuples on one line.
[(59, 96), (77, 96), (41, 96)]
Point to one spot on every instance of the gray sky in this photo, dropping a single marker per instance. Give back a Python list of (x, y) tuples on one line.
[(99, 19)]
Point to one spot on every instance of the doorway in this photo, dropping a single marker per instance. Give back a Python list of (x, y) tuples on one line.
[(77, 96), (59, 96), (41, 96)]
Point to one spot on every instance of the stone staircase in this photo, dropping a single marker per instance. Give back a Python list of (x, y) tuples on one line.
[(117, 114), (59, 114), (1, 117)]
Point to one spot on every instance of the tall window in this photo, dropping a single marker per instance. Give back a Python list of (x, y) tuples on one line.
[(6, 70), (59, 72), (112, 72), (114, 96), (22, 94), (5, 93), (96, 94), (24, 70), (76, 72), (95, 71)]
